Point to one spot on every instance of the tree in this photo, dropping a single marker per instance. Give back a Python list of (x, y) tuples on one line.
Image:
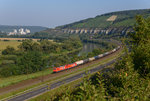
[(31, 62), (141, 45), (9, 50), (141, 32), (26, 45), (36, 47), (46, 46)]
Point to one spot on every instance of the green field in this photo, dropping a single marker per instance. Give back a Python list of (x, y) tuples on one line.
[(5, 81), (4, 44), (15, 79)]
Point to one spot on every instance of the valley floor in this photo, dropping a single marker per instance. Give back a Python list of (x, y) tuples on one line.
[(51, 77)]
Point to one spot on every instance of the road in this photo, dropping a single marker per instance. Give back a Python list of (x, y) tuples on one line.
[(46, 88)]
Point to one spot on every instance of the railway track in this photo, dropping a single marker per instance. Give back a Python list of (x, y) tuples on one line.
[(54, 85), (43, 89), (57, 84)]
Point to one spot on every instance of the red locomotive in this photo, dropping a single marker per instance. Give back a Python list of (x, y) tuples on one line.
[(68, 66), (61, 68)]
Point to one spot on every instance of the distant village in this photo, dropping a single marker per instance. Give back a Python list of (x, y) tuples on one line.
[(20, 31)]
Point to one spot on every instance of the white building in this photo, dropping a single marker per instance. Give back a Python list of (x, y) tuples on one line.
[(20, 32), (15, 31), (27, 31)]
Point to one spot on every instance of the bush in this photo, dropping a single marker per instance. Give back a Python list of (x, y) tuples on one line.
[(6, 62), (8, 57), (9, 50)]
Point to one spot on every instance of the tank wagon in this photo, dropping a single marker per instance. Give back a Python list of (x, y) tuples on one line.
[(80, 62)]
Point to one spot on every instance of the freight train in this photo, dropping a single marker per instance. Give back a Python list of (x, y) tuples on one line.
[(80, 62)]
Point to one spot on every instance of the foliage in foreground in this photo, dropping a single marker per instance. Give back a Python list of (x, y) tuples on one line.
[(130, 79)]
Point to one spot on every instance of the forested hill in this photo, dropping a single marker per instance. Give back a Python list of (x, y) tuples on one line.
[(115, 24), (114, 19), (8, 28)]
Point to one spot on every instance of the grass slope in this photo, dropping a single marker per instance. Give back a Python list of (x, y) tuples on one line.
[(124, 18)]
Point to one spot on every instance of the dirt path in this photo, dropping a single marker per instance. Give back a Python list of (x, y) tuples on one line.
[(30, 82)]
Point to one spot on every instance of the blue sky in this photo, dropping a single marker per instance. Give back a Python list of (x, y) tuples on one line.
[(52, 13)]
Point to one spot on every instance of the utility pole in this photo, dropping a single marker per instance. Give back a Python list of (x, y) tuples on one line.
[(27, 70), (42, 76)]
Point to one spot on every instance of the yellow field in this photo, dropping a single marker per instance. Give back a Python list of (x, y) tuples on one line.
[(112, 18), (17, 39), (4, 44), (13, 42)]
